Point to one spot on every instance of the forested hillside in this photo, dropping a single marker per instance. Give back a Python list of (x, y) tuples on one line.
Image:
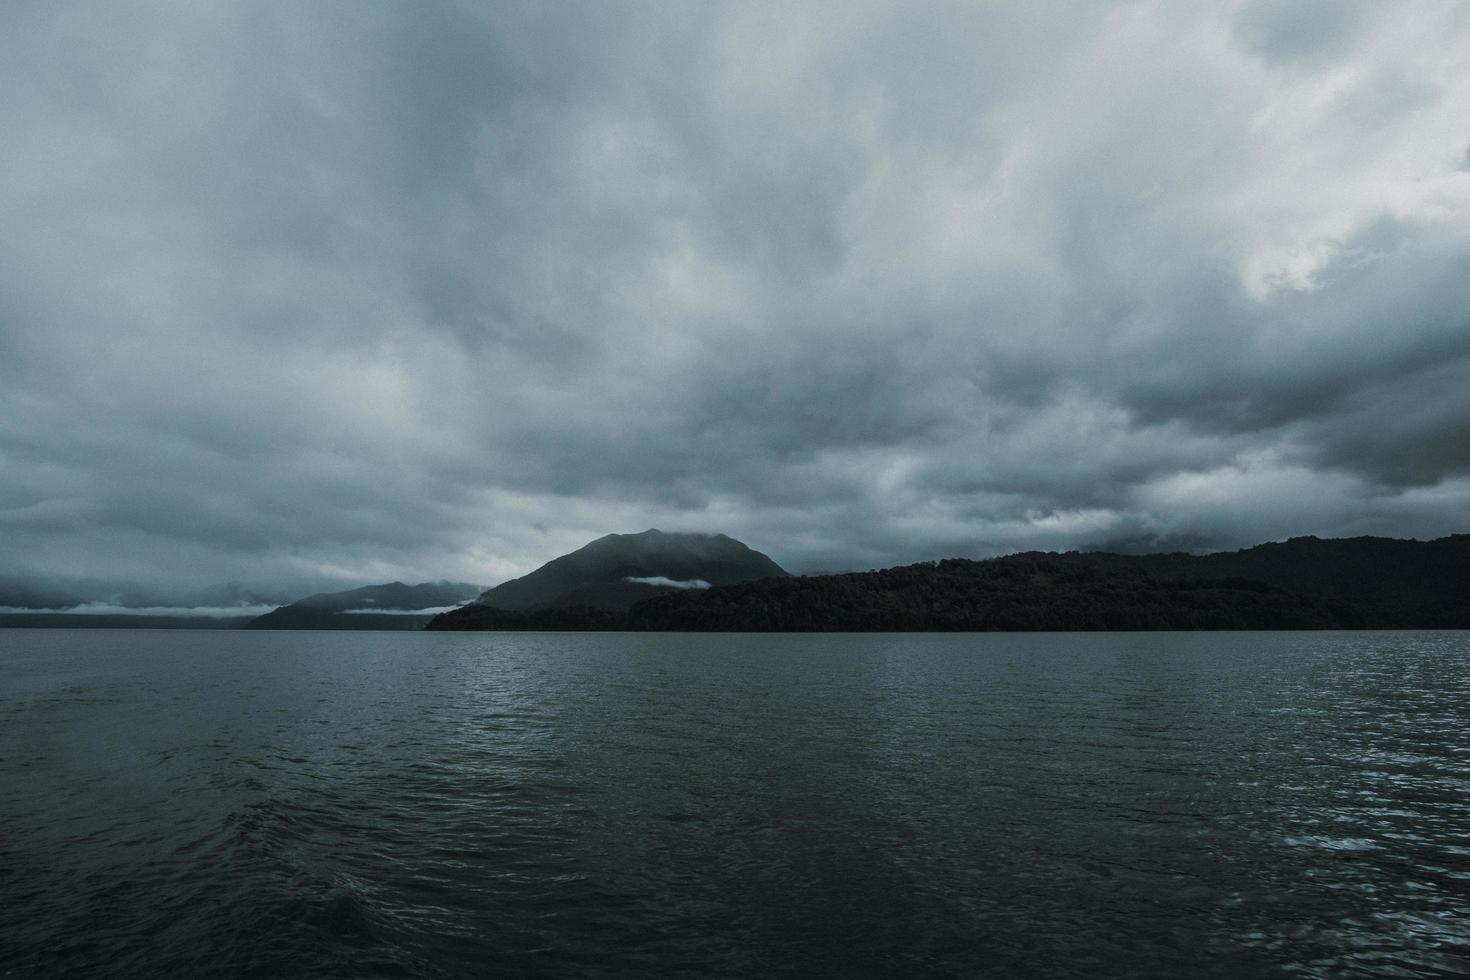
[(1305, 583)]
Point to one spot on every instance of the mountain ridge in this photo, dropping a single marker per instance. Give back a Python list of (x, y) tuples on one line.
[(1303, 583)]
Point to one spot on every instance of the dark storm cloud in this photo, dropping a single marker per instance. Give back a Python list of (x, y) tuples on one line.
[(294, 294), (1302, 31)]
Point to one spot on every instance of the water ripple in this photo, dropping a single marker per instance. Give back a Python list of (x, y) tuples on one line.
[(444, 805)]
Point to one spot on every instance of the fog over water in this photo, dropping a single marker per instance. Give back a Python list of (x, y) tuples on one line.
[(311, 296)]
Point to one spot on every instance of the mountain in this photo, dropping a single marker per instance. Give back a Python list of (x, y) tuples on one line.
[(95, 603), (1304, 583), (598, 574), (391, 606), (45, 619), (616, 571)]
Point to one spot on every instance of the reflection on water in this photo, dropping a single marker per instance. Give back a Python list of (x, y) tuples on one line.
[(340, 804)]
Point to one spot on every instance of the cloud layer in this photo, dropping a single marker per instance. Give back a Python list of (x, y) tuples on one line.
[(111, 609), (294, 295), (668, 583)]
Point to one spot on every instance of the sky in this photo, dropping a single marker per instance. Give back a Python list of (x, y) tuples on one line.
[(302, 295)]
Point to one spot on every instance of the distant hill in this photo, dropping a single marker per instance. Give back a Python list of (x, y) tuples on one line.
[(104, 604), (44, 619), (598, 574), (617, 571), (1387, 578), (1304, 583), (391, 606)]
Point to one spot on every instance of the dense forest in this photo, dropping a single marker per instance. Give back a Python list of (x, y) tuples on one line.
[(1304, 583), (478, 616)]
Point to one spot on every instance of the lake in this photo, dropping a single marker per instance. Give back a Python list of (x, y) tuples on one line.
[(298, 804)]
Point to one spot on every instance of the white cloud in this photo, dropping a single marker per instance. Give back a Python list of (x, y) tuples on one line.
[(427, 611), (668, 583), (111, 609)]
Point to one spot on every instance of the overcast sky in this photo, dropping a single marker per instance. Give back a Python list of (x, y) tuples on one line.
[(294, 294)]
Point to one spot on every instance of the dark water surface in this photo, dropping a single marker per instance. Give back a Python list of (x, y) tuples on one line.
[(223, 804)]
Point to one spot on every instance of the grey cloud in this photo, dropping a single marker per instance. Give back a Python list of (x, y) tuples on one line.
[(1298, 31), (308, 296)]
